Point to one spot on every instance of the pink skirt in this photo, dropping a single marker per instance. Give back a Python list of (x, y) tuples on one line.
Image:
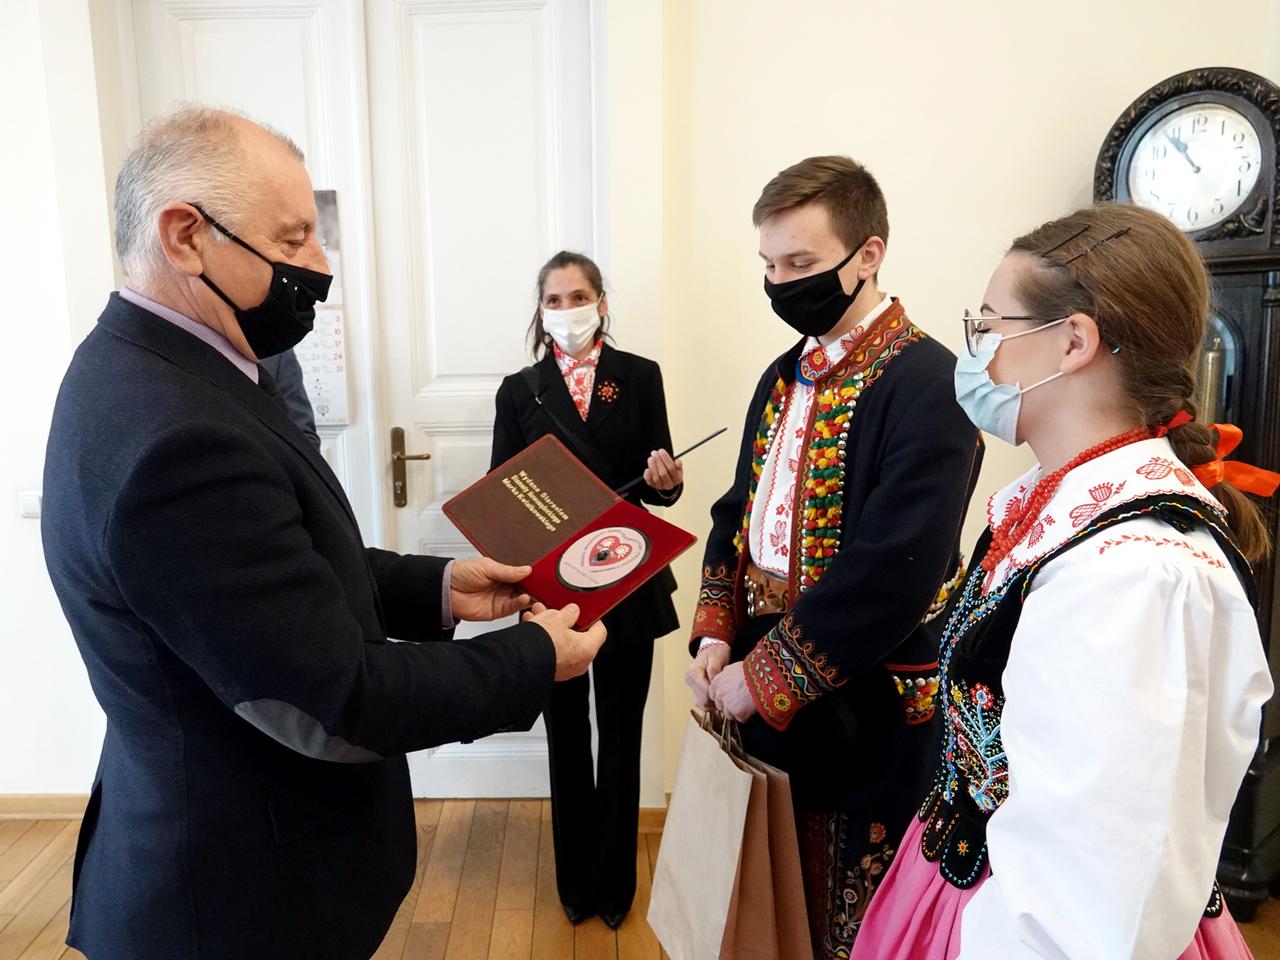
[(915, 915)]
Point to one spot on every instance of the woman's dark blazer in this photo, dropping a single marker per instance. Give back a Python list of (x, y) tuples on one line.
[(626, 422)]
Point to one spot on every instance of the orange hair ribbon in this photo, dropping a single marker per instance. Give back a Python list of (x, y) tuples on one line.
[(1243, 476)]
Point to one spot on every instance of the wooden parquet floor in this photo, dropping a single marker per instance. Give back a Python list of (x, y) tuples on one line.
[(485, 890)]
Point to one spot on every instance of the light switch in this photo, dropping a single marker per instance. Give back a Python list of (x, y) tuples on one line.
[(29, 503)]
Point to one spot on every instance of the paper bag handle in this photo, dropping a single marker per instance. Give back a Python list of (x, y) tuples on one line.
[(725, 729)]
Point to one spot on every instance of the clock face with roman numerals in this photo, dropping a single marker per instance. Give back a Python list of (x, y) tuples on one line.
[(1197, 165)]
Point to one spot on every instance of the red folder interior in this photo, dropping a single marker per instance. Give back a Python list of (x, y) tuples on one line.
[(666, 542)]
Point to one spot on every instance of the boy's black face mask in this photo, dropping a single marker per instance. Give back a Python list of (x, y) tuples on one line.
[(813, 305)]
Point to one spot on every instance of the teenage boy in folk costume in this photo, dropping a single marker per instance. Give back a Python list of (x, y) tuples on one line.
[(833, 552)]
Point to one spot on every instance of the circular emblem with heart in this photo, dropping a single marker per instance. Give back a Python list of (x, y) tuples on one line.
[(602, 557)]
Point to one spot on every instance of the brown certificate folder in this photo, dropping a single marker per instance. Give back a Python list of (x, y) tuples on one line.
[(586, 544)]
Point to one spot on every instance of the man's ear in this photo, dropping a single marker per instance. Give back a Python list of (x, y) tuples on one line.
[(871, 258), (182, 237), (1084, 344)]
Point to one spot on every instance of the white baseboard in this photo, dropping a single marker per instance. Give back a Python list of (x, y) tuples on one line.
[(49, 806)]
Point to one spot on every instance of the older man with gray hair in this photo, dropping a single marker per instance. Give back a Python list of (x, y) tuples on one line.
[(252, 799)]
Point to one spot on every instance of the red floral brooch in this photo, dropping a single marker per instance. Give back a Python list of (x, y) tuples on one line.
[(608, 390)]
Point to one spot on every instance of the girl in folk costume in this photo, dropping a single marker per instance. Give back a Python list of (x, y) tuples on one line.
[(818, 621), (1102, 675)]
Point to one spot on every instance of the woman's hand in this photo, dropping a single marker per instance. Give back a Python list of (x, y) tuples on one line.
[(663, 473)]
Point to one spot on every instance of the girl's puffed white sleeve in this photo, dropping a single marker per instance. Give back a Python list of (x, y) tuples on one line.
[(1134, 692)]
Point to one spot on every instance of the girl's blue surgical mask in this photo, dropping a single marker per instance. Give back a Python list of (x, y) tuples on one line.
[(992, 406)]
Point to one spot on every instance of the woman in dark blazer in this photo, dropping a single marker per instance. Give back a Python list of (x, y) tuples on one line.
[(608, 408)]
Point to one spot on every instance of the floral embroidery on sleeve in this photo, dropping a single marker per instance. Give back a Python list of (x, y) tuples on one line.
[(784, 672), (715, 614)]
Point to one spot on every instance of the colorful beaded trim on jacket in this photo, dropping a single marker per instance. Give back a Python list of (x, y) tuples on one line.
[(759, 453), (918, 696), (822, 497)]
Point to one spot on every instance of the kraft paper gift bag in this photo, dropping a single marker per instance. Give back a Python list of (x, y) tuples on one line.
[(791, 916), (750, 932), (697, 869)]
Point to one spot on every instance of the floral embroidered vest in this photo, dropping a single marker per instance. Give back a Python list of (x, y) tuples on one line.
[(971, 774)]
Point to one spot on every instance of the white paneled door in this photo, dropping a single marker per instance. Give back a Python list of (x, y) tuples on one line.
[(481, 126), (458, 135)]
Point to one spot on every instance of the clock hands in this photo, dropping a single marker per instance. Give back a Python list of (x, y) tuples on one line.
[(1182, 149)]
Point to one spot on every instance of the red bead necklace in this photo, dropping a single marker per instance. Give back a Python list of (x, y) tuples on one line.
[(1018, 522)]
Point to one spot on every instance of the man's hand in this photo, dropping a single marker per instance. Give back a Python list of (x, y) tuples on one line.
[(730, 694), (481, 589), (575, 649), (663, 473), (710, 660)]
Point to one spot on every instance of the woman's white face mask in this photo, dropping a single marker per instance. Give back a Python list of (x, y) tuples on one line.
[(575, 329)]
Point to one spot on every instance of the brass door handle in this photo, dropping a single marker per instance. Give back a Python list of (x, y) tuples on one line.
[(399, 482)]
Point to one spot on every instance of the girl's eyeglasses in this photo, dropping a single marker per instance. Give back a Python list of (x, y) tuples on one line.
[(975, 327)]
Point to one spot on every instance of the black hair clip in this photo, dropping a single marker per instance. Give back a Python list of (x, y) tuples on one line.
[(1059, 246), (1092, 247)]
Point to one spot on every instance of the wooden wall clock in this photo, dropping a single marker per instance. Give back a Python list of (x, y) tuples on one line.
[(1201, 149)]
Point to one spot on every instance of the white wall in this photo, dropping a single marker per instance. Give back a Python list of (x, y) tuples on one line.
[(55, 269), (629, 245)]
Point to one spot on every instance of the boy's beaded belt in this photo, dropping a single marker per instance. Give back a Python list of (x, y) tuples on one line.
[(766, 593)]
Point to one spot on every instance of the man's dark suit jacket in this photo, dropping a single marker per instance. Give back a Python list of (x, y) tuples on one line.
[(252, 799)]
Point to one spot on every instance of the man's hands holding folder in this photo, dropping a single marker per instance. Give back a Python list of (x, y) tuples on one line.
[(575, 649), (482, 589)]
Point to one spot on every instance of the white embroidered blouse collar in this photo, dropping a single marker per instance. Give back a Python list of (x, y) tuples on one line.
[(1143, 469)]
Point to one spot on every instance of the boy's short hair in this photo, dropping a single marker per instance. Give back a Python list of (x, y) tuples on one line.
[(846, 189)]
